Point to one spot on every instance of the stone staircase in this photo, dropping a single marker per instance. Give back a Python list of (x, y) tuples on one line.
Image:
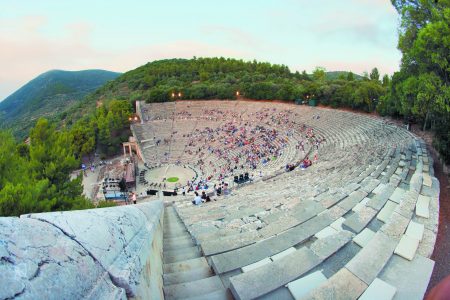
[(187, 274)]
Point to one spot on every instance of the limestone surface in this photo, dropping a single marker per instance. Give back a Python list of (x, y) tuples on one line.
[(415, 230), (372, 258), (302, 286), (364, 237), (342, 285), (119, 238), (414, 281), (109, 253), (379, 290), (359, 220), (407, 247), (39, 261)]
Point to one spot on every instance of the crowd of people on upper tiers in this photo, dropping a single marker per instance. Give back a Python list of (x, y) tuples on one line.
[(240, 141)]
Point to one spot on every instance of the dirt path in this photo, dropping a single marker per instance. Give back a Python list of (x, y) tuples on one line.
[(441, 254)]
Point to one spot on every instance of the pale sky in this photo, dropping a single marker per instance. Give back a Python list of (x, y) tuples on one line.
[(349, 35)]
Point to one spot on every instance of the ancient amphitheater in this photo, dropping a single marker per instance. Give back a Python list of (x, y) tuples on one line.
[(359, 223)]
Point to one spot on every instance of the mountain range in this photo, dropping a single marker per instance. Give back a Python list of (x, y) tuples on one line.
[(47, 95)]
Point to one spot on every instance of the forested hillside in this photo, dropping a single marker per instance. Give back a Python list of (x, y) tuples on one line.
[(220, 78), (47, 95)]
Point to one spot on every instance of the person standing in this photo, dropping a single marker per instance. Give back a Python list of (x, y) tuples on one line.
[(134, 198)]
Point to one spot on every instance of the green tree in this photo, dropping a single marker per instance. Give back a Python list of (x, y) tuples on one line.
[(51, 153), (319, 74), (11, 164), (305, 76), (23, 150), (83, 137), (36, 178), (350, 76), (385, 82), (429, 97), (103, 204), (422, 84), (204, 76), (374, 75)]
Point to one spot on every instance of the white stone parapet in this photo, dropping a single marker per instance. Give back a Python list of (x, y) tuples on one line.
[(105, 253)]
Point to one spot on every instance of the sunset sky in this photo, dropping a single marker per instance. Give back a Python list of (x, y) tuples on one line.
[(37, 36)]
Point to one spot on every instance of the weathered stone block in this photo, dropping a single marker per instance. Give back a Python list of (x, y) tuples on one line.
[(247, 255), (340, 286), (124, 240), (386, 212), (407, 247), (40, 262), (379, 290), (267, 278), (359, 220), (304, 285), (414, 283), (396, 226), (363, 238), (352, 199), (372, 258)]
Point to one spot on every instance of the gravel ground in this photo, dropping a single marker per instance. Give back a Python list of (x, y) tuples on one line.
[(441, 254)]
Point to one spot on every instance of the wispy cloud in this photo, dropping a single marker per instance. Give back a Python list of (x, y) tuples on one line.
[(32, 53), (36, 36), (348, 26), (234, 35), (135, 57)]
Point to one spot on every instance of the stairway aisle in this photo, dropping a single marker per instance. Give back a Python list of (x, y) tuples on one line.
[(187, 274)]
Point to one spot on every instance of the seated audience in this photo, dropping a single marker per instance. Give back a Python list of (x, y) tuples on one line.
[(197, 199)]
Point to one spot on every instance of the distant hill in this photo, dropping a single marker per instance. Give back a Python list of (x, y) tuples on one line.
[(48, 95), (199, 78), (333, 75)]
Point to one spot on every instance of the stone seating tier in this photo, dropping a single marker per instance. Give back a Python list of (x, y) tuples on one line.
[(367, 210)]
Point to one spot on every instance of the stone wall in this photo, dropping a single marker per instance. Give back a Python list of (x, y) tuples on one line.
[(106, 253), (139, 111)]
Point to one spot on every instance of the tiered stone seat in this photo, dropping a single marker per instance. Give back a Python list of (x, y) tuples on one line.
[(364, 213), (378, 258), (186, 119)]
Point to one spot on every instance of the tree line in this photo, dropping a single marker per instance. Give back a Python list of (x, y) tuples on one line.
[(420, 90), (221, 78)]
